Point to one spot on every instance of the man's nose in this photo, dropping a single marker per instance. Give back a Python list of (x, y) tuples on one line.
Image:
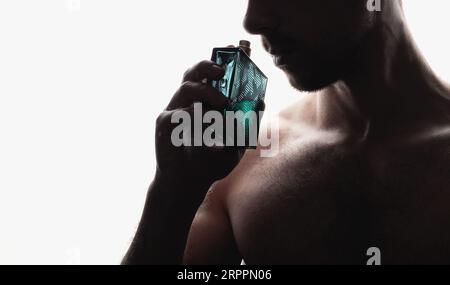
[(260, 17)]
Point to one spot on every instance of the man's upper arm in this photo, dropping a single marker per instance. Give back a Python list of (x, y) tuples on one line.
[(211, 239)]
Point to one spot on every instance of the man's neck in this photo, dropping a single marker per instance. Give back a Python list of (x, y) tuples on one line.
[(391, 90)]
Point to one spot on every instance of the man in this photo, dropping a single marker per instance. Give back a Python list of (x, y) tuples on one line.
[(364, 158)]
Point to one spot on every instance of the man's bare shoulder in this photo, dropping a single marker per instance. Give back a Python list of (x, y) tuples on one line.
[(299, 140)]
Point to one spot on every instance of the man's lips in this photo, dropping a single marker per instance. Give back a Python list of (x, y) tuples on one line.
[(279, 51)]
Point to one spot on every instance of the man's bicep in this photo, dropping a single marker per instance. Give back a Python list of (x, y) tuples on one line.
[(211, 239)]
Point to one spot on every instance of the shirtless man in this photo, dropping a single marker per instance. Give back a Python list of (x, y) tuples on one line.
[(364, 158)]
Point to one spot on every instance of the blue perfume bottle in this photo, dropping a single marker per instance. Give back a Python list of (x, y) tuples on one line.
[(244, 84)]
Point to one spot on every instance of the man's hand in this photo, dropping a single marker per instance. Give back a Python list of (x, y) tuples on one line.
[(199, 166)]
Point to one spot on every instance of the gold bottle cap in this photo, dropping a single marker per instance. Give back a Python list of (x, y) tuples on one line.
[(245, 46)]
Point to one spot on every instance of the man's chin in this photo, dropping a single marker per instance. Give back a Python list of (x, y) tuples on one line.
[(308, 82)]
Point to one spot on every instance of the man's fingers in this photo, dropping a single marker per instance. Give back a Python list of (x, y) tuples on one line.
[(192, 92), (261, 106), (204, 70)]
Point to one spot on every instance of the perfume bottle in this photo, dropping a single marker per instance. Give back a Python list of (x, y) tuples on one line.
[(244, 84)]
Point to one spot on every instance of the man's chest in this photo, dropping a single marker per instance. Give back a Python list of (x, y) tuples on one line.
[(322, 205)]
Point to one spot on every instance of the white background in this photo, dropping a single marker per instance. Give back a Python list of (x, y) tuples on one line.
[(81, 83)]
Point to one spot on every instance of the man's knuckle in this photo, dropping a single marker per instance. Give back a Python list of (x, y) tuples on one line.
[(161, 118), (187, 73), (186, 87)]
